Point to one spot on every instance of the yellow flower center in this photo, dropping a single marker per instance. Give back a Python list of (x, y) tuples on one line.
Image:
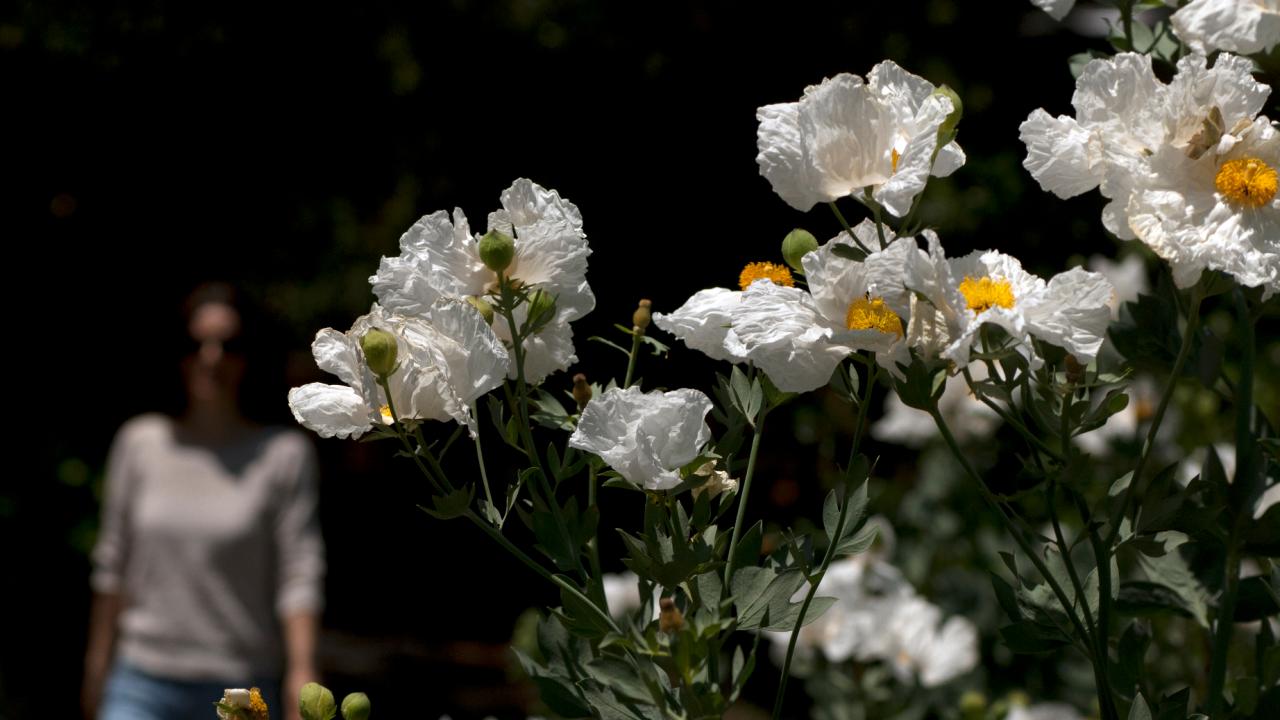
[(872, 314), (386, 414), (1246, 181), (257, 706), (984, 293), (893, 159), (773, 272)]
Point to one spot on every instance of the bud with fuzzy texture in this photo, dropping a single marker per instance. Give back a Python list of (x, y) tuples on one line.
[(670, 619), (581, 391), (497, 250), (355, 707), (947, 130), (643, 315), (315, 702), (796, 245), (479, 303), (380, 348)]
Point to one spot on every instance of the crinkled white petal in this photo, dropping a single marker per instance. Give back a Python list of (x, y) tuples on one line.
[(1061, 155), (784, 159), (703, 323), (1242, 26), (834, 281), (477, 360), (547, 351), (438, 257), (1073, 312), (551, 248), (788, 337), (915, 161), (340, 355), (1044, 711), (1057, 9), (645, 437), (850, 133), (331, 410), (952, 652)]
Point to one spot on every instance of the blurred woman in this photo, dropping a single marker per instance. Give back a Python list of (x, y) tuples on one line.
[(209, 564)]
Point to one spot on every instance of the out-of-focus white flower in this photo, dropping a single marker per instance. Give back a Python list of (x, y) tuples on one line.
[(967, 416), (703, 323), (798, 337), (447, 358), (845, 135), (878, 617), (622, 593), (1238, 26), (927, 648), (439, 257), (1044, 711), (1189, 167), (242, 704), (645, 437), (1057, 9), (1128, 278), (718, 481), (1071, 310)]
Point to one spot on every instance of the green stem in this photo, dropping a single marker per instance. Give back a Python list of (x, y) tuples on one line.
[(876, 214), (830, 553), (1010, 418), (742, 498), (631, 360), (1006, 517), (845, 224), (1188, 337), (484, 475)]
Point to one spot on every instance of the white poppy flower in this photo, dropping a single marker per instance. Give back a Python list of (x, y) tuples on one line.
[(445, 359), (645, 437), (798, 337), (622, 594), (1071, 310), (1219, 211), (718, 481), (439, 257), (928, 649), (1238, 26), (968, 417), (845, 135), (1128, 277)]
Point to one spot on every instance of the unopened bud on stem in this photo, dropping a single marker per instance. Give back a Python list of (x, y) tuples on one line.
[(947, 130), (581, 390), (641, 318), (355, 707), (541, 305), (479, 303), (380, 348), (796, 245), (497, 250), (315, 702)]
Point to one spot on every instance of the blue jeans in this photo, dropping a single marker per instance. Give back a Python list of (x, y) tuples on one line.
[(131, 694)]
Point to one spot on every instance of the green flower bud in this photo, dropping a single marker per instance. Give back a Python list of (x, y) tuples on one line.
[(973, 705), (380, 349), (542, 305), (796, 245), (497, 250), (315, 702), (947, 131), (355, 707), (479, 303)]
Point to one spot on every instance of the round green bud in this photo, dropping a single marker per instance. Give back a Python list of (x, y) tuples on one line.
[(497, 250), (542, 305), (796, 245), (380, 349), (947, 131), (355, 707), (973, 705), (315, 702), (479, 303)]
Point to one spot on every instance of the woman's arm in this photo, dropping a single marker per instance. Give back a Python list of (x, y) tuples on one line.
[(103, 614), (300, 630)]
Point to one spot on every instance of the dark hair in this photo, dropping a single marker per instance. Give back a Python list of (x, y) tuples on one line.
[(263, 382)]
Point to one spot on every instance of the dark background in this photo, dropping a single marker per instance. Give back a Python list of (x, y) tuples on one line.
[(152, 145)]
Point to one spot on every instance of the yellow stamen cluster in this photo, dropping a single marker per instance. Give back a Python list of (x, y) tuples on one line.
[(385, 410), (893, 160), (257, 706), (1246, 181), (984, 293), (773, 272), (873, 314)]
